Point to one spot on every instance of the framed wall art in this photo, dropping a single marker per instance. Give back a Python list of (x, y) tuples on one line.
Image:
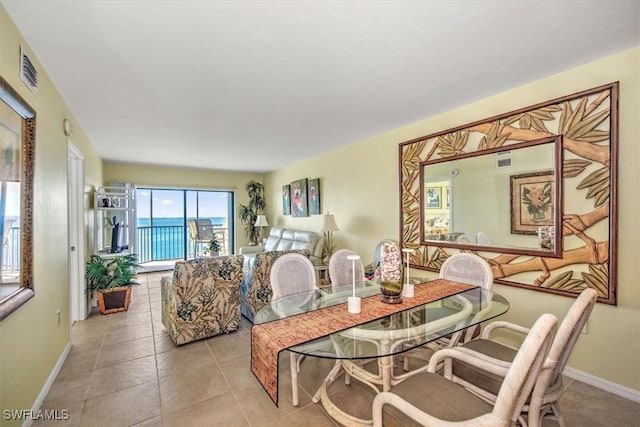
[(286, 199), (531, 202), (433, 197), (299, 206), (314, 196)]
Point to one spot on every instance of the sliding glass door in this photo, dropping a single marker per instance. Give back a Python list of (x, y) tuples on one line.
[(162, 216)]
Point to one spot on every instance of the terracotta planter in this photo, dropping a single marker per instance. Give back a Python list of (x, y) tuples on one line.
[(114, 300)]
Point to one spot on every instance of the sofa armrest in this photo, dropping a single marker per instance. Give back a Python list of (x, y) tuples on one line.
[(251, 249)]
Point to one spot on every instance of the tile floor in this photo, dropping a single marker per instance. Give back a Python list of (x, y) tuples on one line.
[(124, 371)]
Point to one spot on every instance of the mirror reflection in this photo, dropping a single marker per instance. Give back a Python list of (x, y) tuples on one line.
[(17, 149), (10, 212), (498, 201), (10, 137)]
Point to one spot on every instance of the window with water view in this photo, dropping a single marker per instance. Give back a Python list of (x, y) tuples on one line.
[(162, 221)]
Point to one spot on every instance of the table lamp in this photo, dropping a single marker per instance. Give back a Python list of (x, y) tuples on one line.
[(261, 222), (328, 227)]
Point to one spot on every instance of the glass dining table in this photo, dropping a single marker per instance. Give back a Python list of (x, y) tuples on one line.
[(405, 330)]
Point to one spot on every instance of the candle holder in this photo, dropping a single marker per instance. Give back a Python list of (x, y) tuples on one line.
[(354, 304), (407, 290)]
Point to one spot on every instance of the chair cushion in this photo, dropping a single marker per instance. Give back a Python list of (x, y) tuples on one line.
[(483, 379), (486, 380), (436, 396)]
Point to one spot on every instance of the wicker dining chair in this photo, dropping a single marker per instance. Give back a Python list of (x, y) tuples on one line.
[(341, 268), (462, 267), (292, 273), (548, 387), (471, 269), (482, 239), (463, 239), (429, 398)]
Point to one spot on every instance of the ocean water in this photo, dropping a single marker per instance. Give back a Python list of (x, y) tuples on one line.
[(165, 239), (161, 222)]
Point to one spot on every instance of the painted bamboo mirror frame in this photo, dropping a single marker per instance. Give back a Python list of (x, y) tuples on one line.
[(18, 122), (587, 123)]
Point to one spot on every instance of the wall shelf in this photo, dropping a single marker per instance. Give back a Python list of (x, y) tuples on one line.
[(115, 220)]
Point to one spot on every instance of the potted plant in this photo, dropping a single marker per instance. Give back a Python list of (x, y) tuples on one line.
[(248, 213), (213, 247), (112, 278)]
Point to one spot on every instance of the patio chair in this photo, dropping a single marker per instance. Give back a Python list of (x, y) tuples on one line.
[(548, 387), (428, 398), (200, 231)]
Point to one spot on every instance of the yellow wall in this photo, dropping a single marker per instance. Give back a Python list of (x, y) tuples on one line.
[(359, 184), (173, 177), (31, 342)]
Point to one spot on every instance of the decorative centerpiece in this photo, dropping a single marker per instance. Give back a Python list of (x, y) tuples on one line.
[(391, 292)]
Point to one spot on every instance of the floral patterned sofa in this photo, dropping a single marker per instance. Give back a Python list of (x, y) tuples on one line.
[(256, 283), (202, 298)]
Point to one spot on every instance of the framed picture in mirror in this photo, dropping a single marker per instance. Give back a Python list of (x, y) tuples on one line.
[(531, 202), (433, 199)]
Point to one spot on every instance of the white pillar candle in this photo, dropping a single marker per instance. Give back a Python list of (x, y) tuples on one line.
[(407, 290), (353, 302)]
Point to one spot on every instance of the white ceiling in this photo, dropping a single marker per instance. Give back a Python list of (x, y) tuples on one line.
[(253, 86)]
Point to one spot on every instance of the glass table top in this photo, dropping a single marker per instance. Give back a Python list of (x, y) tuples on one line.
[(389, 335)]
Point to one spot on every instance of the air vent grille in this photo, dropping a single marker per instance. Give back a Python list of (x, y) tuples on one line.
[(28, 72), (504, 159)]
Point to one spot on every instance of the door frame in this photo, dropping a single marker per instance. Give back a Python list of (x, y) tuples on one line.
[(78, 298)]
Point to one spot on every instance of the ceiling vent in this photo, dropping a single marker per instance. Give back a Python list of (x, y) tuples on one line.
[(28, 72), (504, 159)]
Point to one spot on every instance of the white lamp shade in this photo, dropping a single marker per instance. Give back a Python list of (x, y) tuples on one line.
[(261, 221), (329, 223)]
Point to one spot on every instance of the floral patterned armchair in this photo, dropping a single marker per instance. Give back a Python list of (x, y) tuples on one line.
[(256, 284), (202, 299)]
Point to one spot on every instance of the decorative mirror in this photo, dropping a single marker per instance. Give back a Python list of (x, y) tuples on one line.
[(532, 191), (506, 199), (17, 154)]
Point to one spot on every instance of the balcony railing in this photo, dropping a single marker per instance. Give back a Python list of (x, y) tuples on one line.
[(11, 250), (167, 242), (158, 243)]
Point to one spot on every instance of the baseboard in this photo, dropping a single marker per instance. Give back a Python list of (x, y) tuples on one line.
[(47, 385), (620, 390)]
